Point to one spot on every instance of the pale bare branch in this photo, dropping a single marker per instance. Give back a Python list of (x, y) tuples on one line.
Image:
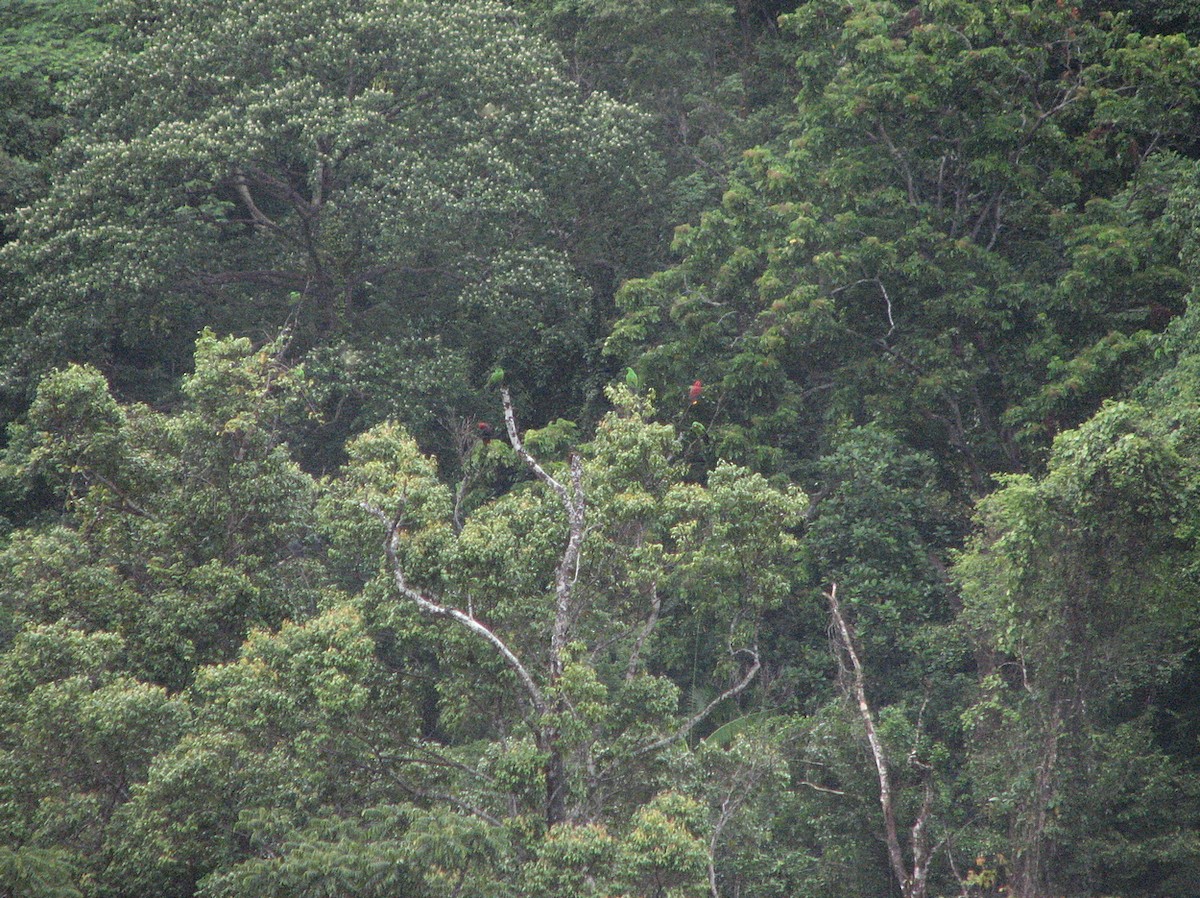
[(568, 565), (913, 882), (846, 644), (691, 723), (817, 788), (434, 608)]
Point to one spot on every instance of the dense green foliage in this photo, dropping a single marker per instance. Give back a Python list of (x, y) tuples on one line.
[(42, 46), (413, 189), (846, 546), (962, 234)]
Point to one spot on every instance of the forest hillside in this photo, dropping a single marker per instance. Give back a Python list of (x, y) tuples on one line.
[(563, 448)]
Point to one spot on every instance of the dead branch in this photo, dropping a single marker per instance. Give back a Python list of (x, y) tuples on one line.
[(887, 301), (435, 609), (576, 509), (691, 723), (912, 882), (817, 788)]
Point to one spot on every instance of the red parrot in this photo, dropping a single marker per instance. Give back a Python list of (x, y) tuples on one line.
[(486, 432), (695, 391)]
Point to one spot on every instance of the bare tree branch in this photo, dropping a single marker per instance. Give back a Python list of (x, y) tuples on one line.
[(746, 778), (817, 788), (846, 644), (449, 798), (887, 301), (126, 501), (273, 277), (436, 609), (283, 190), (922, 853), (691, 722), (912, 883), (576, 508)]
